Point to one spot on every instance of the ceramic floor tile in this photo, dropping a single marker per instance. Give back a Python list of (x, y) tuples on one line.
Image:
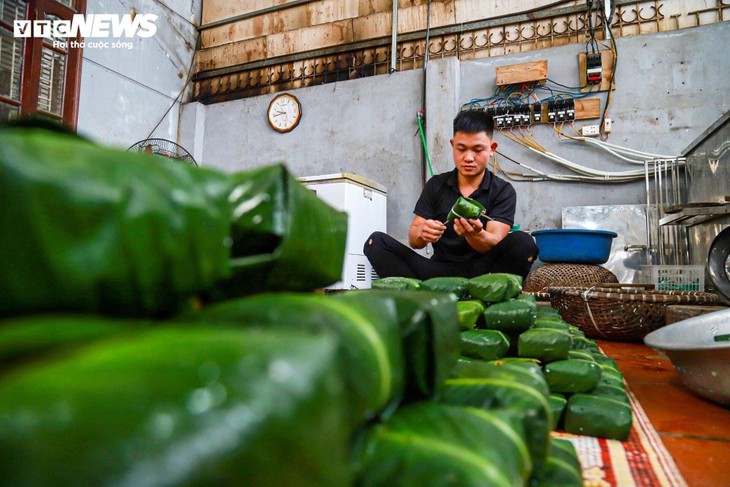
[(621, 349), (672, 408), (696, 432), (643, 369), (703, 463), (639, 362)]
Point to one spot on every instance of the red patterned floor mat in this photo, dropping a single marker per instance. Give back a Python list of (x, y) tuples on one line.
[(641, 460)]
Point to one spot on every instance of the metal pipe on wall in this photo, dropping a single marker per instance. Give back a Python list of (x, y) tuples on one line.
[(651, 218), (394, 38), (424, 155), (533, 14)]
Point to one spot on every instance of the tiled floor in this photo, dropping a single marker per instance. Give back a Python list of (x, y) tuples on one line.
[(695, 431)]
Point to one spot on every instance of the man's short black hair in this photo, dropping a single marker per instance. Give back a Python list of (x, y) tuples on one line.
[(473, 121)]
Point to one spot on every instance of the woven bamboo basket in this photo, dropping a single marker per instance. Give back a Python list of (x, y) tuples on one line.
[(559, 275), (619, 314)]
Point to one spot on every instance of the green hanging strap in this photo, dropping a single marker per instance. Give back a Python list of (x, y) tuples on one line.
[(420, 116)]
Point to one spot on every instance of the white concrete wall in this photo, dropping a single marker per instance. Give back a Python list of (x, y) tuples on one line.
[(367, 127), (670, 88), (125, 93)]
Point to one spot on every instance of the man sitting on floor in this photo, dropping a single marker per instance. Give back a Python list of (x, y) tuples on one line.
[(466, 248)]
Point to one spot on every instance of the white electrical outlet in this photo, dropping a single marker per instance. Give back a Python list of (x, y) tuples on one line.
[(607, 126), (589, 130)]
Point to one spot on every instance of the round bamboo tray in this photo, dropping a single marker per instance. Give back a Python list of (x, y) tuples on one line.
[(558, 275), (621, 314)]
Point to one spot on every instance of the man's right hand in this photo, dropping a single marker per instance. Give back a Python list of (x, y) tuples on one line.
[(432, 230), (424, 231)]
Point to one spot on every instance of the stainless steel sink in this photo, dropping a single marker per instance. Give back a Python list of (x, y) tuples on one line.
[(703, 364)]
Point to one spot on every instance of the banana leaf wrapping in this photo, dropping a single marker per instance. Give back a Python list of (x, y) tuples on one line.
[(572, 375), (518, 360), (581, 354), (495, 288), (598, 416), (437, 444), (454, 285), (576, 332), (467, 208), (605, 362), (429, 334), (541, 315), (469, 367), (611, 379), (557, 404), (396, 283), (511, 317), (500, 391), (582, 343), (469, 313), (367, 331), (562, 467), (484, 344), (523, 371), (612, 391), (284, 237), (546, 312), (611, 372), (30, 337), (544, 344), (528, 298), (179, 407), (552, 324), (92, 229)]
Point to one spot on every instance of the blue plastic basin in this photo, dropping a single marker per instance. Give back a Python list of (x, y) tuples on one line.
[(574, 245)]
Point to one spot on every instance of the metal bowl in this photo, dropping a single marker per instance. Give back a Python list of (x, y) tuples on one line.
[(702, 363)]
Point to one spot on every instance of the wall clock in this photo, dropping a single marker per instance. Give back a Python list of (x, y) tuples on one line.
[(284, 112)]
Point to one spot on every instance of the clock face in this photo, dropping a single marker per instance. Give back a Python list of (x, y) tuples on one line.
[(284, 112)]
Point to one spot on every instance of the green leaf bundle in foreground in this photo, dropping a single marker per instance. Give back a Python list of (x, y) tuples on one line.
[(179, 406)]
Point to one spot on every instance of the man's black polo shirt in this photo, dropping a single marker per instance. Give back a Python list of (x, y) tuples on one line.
[(440, 194)]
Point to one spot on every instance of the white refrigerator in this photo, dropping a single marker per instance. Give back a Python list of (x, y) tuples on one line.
[(365, 202)]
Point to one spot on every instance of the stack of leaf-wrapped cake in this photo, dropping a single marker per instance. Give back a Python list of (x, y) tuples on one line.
[(158, 327)]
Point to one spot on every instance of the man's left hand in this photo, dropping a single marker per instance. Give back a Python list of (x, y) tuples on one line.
[(468, 228)]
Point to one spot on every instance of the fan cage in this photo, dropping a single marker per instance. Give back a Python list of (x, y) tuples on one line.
[(163, 148)]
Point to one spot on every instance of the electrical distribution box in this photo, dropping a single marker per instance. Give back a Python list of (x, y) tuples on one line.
[(365, 203), (594, 67), (595, 71)]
